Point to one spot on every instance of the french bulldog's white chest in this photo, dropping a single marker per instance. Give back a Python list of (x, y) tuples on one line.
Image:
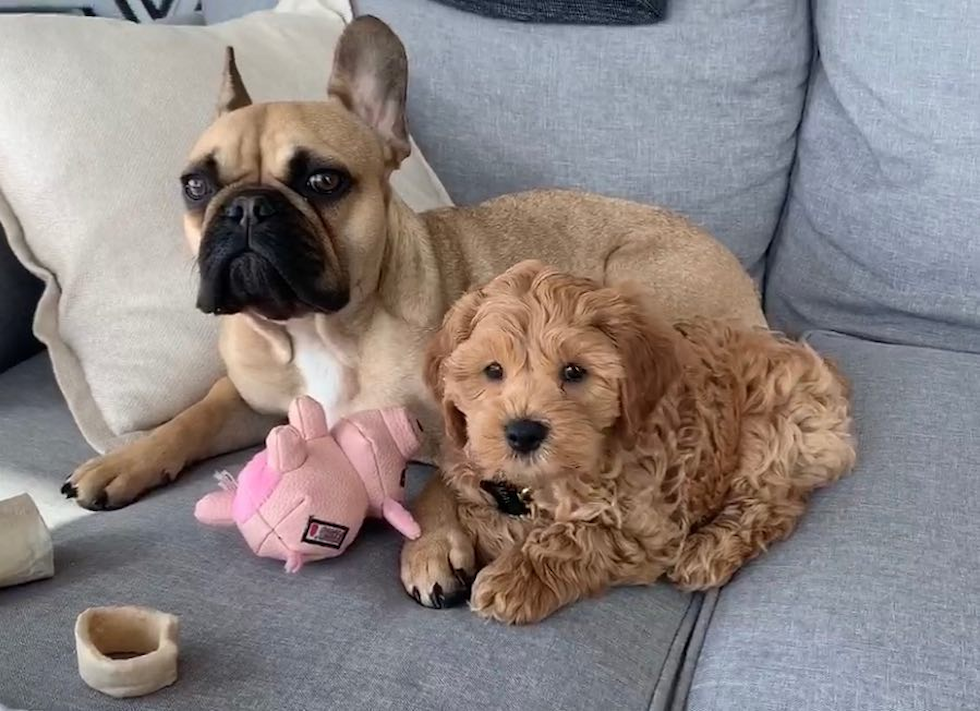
[(326, 368)]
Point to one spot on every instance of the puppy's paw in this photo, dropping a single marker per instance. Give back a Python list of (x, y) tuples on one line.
[(438, 567), (118, 478), (508, 590), (703, 564)]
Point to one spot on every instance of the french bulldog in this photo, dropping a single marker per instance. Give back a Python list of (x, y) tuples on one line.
[(329, 285)]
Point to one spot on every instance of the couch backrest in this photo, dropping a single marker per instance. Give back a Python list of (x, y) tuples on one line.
[(882, 233), (698, 113)]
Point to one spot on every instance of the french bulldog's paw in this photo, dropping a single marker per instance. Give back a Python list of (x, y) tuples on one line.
[(118, 478), (438, 567), (509, 590)]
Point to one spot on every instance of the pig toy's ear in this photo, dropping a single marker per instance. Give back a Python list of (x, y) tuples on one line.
[(215, 509), (286, 448), (405, 430), (307, 416)]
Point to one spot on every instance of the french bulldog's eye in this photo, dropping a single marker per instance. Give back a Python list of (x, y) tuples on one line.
[(326, 182), (196, 188), (572, 373), (494, 371)]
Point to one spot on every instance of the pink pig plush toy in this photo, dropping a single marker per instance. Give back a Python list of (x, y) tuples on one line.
[(305, 496)]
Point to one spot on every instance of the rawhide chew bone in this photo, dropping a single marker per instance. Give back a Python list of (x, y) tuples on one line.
[(26, 552), (126, 651)]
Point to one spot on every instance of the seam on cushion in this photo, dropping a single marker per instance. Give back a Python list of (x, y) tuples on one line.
[(808, 335), (67, 367), (692, 601), (784, 208), (699, 635)]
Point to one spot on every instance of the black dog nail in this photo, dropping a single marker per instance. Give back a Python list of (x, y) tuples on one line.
[(69, 490), (437, 597), (417, 595), (462, 577)]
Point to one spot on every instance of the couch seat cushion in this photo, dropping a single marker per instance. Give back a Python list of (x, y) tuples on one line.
[(39, 442), (872, 604), (340, 634)]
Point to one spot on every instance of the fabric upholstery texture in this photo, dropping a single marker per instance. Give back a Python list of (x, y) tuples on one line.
[(578, 12), (39, 443), (882, 233), (89, 197), (871, 605), (340, 634), (19, 292), (698, 113)]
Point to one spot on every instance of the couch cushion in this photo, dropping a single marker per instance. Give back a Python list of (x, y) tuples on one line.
[(39, 442), (882, 234), (340, 634), (698, 112), (872, 603)]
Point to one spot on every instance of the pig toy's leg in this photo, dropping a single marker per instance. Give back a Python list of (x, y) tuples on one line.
[(399, 517)]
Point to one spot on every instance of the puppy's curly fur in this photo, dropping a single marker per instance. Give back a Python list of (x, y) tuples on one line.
[(681, 450)]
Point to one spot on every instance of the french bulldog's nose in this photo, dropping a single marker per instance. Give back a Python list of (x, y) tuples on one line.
[(248, 206), (524, 436)]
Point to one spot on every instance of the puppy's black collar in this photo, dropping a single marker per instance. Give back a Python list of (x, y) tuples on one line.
[(511, 500)]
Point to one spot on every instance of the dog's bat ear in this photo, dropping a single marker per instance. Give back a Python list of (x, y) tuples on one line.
[(233, 94), (648, 348), (370, 77)]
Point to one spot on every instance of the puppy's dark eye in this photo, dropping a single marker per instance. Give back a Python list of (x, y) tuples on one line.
[(327, 182), (572, 373), (494, 371), (196, 188)]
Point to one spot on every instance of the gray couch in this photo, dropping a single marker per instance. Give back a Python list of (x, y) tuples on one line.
[(835, 147)]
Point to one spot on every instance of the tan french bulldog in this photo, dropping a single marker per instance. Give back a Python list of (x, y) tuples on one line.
[(327, 284)]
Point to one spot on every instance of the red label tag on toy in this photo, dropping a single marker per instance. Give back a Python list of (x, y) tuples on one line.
[(324, 533)]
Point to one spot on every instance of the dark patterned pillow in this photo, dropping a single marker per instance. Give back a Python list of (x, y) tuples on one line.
[(573, 12), (134, 10)]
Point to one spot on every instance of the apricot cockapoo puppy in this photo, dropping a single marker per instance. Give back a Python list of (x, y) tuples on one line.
[(589, 444)]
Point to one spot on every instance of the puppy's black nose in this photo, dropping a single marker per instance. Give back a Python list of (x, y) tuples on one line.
[(250, 206), (525, 436)]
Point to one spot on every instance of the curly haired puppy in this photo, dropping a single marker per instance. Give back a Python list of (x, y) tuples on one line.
[(590, 445)]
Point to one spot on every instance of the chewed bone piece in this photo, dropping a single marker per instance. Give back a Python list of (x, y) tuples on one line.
[(126, 651)]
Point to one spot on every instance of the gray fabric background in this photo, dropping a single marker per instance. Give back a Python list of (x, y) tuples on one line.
[(19, 292), (341, 634), (882, 236), (698, 113), (872, 604)]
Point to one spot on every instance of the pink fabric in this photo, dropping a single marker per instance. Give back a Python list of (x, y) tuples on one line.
[(256, 482), (305, 496)]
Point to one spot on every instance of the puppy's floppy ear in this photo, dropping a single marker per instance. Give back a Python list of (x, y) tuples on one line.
[(648, 350), (233, 94), (456, 328), (370, 77)]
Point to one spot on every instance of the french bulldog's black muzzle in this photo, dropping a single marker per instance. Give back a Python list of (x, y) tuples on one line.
[(260, 253)]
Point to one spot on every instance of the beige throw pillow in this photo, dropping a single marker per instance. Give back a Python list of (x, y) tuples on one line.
[(96, 119)]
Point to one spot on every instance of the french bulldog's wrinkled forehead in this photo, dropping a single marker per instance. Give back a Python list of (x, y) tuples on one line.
[(263, 142)]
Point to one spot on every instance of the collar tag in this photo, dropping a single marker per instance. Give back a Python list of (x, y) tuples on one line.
[(510, 500)]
